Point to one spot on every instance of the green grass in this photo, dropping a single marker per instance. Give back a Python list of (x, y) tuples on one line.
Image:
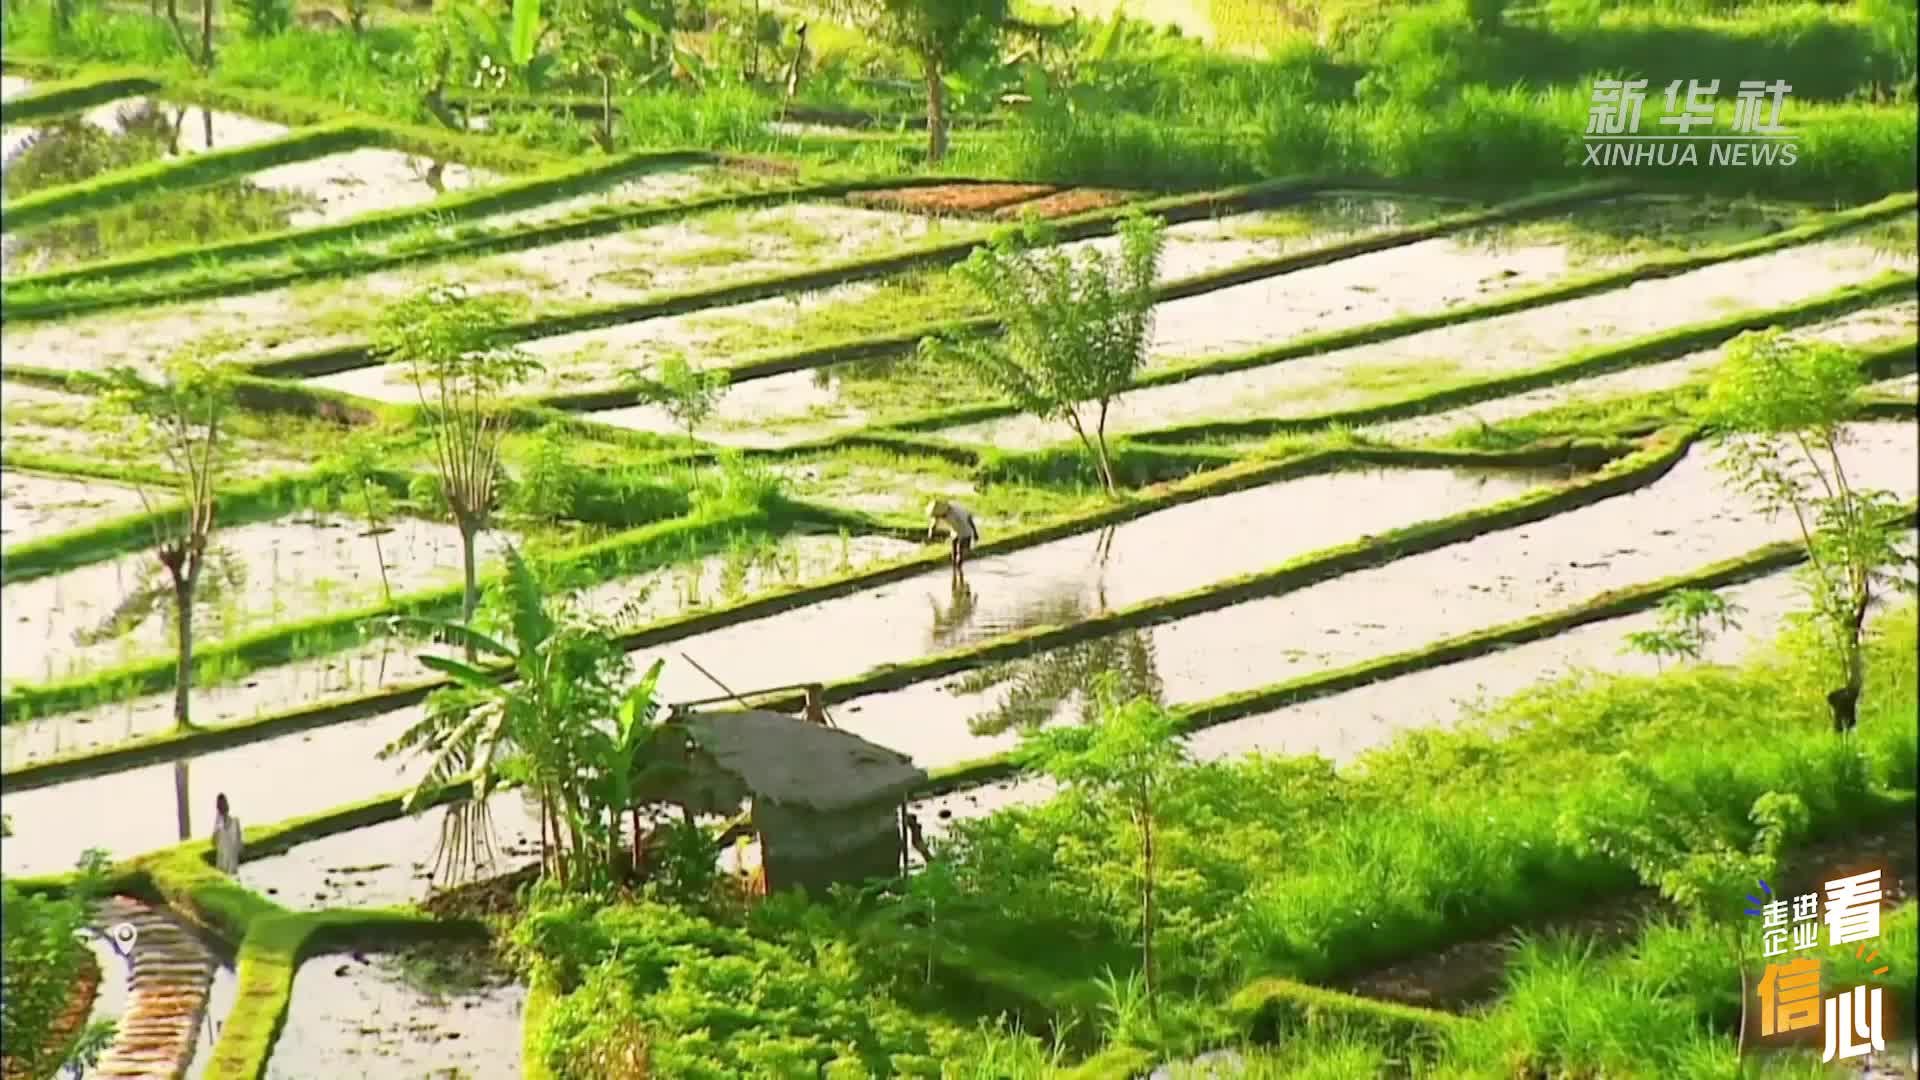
[(49, 100)]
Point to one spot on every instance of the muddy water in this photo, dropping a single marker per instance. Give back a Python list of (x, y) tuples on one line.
[(744, 572), (1391, 370), (1063, 581), (1343, 726), (1860, 328), (391, 864), (134, 812), (263, 574), (1689, 519), (355, 1014), (34, 507), (149, 129), (347, 185), (1424, 278), (385, 664)]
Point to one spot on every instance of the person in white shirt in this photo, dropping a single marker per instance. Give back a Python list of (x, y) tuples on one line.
[(958, 522), (226, 837)]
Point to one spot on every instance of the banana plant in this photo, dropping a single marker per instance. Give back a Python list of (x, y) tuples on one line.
[(681, 63), (506, 55)]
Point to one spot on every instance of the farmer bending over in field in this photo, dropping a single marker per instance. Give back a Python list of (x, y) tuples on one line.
[(958, 522)]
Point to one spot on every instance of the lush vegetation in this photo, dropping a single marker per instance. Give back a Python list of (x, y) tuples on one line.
[(44, 963), (1441, 93), (1272, 866), (1152, 906)]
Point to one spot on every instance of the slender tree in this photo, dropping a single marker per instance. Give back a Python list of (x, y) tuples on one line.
[(455, 345), (941, 34), (1780, 407), (1131, 754), (688, 394), (1077, 329), (181, 420)]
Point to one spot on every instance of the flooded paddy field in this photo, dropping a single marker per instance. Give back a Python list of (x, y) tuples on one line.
[(1345, 725), (392, 864), (118, 135), (660, 185), (705, 250), (1066, 580), (126, 134), (596, 359), (407, 1014), (388, 663), (1391, 370), (35, 506), (392, 1014), (366, 181), (261, 574), (81, 428), (137, 811), (1687, 520), (1874, 326), (1051, 584), (1422, 278)]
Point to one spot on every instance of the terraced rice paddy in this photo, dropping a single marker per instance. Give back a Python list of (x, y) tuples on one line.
[(1243, 576)]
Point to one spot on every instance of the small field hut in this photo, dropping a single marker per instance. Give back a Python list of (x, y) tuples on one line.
[(826, 803)]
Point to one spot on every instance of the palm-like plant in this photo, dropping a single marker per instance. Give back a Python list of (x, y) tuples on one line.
[(550, 715)]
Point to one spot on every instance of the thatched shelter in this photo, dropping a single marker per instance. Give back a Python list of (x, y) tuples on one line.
[(825, 802)]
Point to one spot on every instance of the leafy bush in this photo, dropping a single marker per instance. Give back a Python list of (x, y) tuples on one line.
[(41, 958), (711, 1000)]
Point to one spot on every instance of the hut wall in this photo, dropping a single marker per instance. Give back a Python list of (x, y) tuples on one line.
[(800, 847)]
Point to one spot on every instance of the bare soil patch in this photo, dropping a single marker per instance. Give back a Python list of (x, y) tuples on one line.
[(952, 198), (1067, 203)]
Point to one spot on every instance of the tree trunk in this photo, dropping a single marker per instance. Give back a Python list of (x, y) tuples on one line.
[(1146, 898), (606, 111), (936, 113), (182, 803), (1100, 443), (183, 654), (206, 35), (470, 599)]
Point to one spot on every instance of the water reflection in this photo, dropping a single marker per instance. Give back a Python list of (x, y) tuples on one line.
[(80, 148), (1014, 604), (1036, 688), (182, 803)]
